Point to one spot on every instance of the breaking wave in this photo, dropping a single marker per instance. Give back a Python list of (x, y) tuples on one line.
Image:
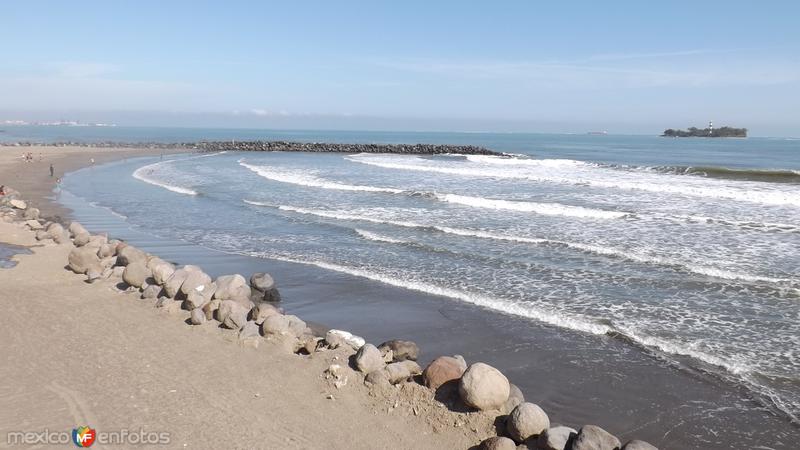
[(144, 174), (305, 179), (550, 209)]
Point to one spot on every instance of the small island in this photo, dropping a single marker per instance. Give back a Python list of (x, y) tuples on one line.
[(710, 131)]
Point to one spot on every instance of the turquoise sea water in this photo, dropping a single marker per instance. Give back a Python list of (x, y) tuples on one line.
[(687, 248)]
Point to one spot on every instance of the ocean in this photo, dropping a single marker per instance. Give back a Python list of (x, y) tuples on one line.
[(682, 250)]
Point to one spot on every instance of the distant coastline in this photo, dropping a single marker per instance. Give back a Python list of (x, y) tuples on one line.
[(706, 132)]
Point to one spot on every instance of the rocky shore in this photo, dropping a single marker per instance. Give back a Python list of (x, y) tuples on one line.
[(449, 389), (276, 146)]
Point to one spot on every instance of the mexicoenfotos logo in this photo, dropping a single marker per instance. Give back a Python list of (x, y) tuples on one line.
[(84, 436)]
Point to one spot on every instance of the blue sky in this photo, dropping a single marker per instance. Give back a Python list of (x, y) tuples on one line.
[(629, 67)]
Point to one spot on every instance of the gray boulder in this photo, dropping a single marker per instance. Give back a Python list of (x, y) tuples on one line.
[(498, 443), (173, 284), (194, 279), (592, 437), (232, 314), (441, 370), (94, 273), (42, 235), (162, 271), (402, 371), (127, 254), (483, 387), (515, 398), (18, 204), (106, 251), (210, 309), (136, 274), (401, 350), (264, 288), (56, 231), (35, 225), (81, 239), (263, 310), (276, 324), (638, 445), (555, 438), (199, 296), (368, 358), (81, 259), (76, 228), (232, 287), (525, 421), (31, 213), (341, 338), (296, 326), (152, 291), (197, 317), (249, 331)]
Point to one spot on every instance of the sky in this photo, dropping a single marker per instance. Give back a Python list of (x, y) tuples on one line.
[(623, 66)]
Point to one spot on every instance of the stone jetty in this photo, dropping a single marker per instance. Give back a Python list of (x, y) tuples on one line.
[(279, 146), (248, 308)]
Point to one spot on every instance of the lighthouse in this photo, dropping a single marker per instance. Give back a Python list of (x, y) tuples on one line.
[(710, 128)]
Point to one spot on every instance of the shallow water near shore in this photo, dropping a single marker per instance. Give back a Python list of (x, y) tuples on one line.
[(657, 303), (7, 251)]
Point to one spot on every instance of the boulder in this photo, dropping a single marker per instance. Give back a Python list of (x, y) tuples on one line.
[(368, 358), (441, 370), (526, 421), (35, 225), (136, 274), (42, 235), (60, 238), (264, 288), (638, 445), (377, 377), (127, 254), (152, 291), (484, 387), (339, 338), (194, 279), (276, 324), (168, 304), (97, 240), (199, 296), (197, 317), (555, 438), (232, 314), (31, 213), (402, 350), (56, 231), (402, 371), (111, 261), (162, 271), (249, 331), (498, 443), (592, 437), (94, 273), (81, 239), (80, 259), (232, 287), (515, 398), (106, 251), (17, 203), (210, 308), (296, 326), (117, 271), (263, 310), (76, 228), (173, 284)]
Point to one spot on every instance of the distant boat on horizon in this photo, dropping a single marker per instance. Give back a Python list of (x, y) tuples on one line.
[(598, 133)]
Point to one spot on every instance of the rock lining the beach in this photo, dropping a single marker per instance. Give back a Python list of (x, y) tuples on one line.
[(527, 420), (278, 146), (592, 437), (483, 387), (556, 438)]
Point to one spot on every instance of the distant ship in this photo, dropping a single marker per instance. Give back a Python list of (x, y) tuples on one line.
[(598, 133)]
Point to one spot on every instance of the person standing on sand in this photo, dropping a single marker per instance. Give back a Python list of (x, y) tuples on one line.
[(51, 170)]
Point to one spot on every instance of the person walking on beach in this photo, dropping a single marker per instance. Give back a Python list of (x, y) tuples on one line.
[(51, 170)]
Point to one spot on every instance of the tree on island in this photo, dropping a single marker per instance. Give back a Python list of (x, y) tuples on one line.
[(706, 132)]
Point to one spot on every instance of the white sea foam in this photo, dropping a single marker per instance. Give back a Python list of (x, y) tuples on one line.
[(584, 174), (541, 314), (378, 237), (306, 179), (143, 173), (623, 254), (550, 209)]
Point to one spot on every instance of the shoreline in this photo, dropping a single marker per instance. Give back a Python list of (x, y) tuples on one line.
[(465, 314)]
